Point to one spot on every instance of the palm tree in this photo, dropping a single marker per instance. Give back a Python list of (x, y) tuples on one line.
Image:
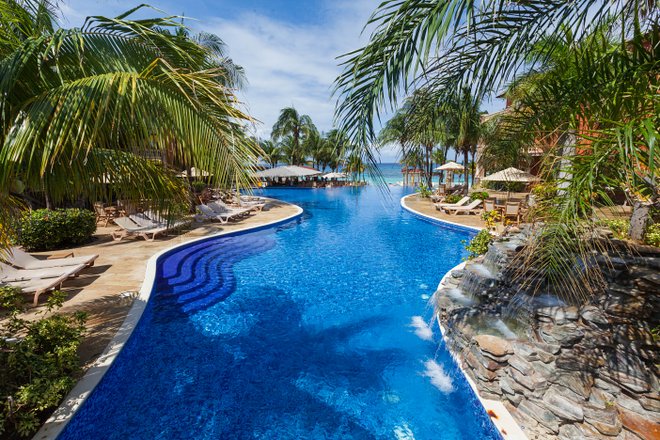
[(271, 152), (88, 105), (296, 128), (600, 104), (465, 108)]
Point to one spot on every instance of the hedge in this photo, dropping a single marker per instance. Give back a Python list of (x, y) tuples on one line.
[(45, 229)]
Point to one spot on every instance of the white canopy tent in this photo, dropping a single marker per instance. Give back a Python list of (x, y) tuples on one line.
[(287, 171)]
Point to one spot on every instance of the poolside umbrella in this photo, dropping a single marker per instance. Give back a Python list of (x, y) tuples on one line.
[(511, 175), (335, 176), (451, 167), (287, 171)]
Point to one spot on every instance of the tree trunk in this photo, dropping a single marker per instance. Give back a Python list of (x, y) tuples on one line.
[(473, 152), (466, 158), (429, 172), (47, 201), (640, 220)]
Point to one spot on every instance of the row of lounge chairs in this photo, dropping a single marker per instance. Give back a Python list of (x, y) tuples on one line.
[(220, 211), (510, 210), (147, 224), (32, 275)]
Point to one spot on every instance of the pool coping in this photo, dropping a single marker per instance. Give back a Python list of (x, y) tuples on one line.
[(504, 423), (435, 220), (56, 423)]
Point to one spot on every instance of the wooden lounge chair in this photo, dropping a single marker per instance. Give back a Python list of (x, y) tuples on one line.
[(489, 205), (472, 208), (462, 202), (23, 260), (511, 211), (103, 215), (129, 227)]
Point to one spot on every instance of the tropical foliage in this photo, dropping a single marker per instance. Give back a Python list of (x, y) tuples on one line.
[(39, 359), (86, 107), (582, 78), (48, 229)]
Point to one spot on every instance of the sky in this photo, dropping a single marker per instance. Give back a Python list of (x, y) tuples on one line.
[(288, 48)]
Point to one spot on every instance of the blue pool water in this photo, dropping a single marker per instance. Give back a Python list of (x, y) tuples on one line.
[(310, 330)]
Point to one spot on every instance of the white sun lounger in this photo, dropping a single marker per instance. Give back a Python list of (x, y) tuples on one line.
[(223, 217), (37, 285), (23, 260), (441, 206), (39, 280), (157, 218), (129, 227), (220, 207), (472, 208)]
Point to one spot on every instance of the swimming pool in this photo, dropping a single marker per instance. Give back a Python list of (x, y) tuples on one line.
[(313, 329)]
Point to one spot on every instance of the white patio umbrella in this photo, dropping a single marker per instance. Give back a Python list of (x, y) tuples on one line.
[(451, 167), (287, 171), (335, 176), (511, 175)]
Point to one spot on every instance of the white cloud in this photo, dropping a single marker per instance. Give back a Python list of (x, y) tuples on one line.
[(292, 64)]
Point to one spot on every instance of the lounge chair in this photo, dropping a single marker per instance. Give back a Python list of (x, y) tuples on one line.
[(171, 224), (489, 205), (512, 210), (254, 203), (37, 280), (224, 217), (23, 260), (37, 285), (462, 202), (129, 227), (102, 215), (220, 207), (472, 208)]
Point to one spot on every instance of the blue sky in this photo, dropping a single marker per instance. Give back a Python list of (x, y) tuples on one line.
[(287, 47)]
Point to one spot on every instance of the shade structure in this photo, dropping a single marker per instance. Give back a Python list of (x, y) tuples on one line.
[(511, 175), (194, 172), (335, 176), (287, 171), (450, 166)]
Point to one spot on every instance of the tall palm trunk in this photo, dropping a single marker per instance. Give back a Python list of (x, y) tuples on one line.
[(466, 159)]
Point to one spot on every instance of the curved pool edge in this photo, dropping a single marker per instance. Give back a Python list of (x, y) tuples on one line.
[(435, 220), (504, 421), (56, 423)]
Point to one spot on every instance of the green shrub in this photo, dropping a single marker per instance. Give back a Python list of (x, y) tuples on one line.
[(479, 244), (652, 236), (198, 186), (45, 229), (452, 198), (424, 191), (481, 195), (620, 228), (39, 361)]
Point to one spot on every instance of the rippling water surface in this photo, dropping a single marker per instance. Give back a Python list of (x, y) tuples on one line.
[(315, 329)]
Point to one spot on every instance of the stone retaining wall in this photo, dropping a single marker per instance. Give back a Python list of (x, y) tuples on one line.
[(570, 372)]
